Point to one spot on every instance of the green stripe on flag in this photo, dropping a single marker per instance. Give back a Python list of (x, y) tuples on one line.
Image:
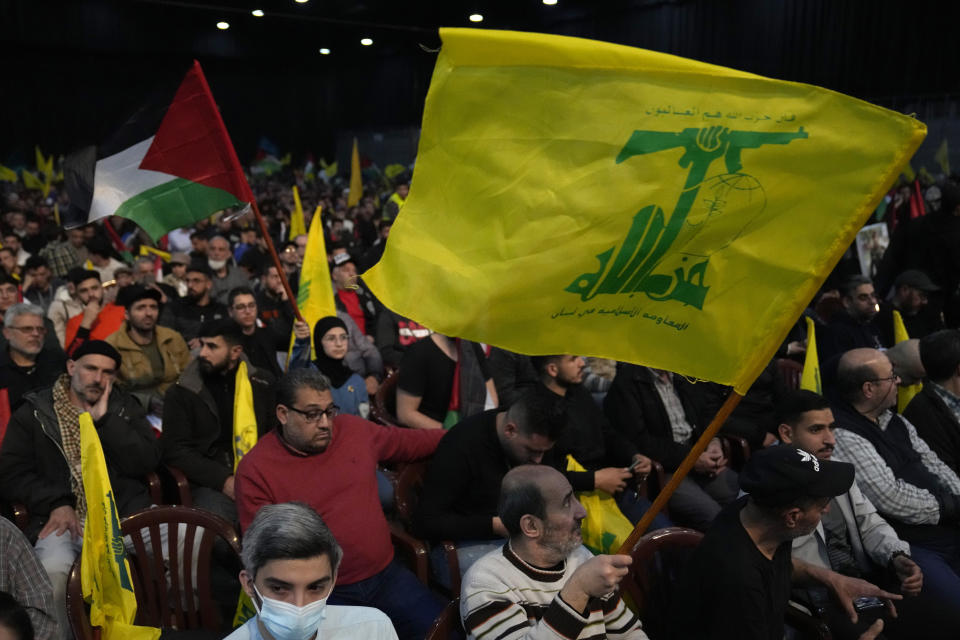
[(174, 204)]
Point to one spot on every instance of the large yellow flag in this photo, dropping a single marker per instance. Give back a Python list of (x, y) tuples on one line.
[(315, 296), (297, 226), (104, 572), (356, 180), (906, 392), (810, 378), (244, 418), (7, 174), (573, 196)]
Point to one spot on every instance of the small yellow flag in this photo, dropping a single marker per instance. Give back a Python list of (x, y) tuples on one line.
[(44, 165), (906, 392), (654, 210), (244, 417), (393, 170), (297, 226), (909, 173), (810, 378), (145, 250), (315, 296), (942, 156), (7, 174), (104, 571), (31, 181), (356, 180)]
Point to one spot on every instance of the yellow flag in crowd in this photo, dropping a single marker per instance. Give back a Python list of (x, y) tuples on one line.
[(44, 165), (356, 180), (393, 170), (905, 393), (925, 175), (942, 156), (810, 378), (909, 173), (145, 250), (654, 209), (7, 174), (297, 226), (315, 296), (31, 181), (244, 418), (104, 572)]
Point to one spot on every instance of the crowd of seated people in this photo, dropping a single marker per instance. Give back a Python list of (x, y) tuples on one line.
[(824, 498)]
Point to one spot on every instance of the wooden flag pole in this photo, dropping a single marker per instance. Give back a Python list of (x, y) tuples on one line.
[(699, 446), (276, 258)]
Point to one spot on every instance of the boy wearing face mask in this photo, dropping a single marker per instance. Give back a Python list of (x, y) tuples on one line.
[(290, 562)]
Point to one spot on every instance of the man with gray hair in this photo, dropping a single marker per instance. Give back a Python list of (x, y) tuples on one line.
[(290, 563), (329, 461), (27, 363)]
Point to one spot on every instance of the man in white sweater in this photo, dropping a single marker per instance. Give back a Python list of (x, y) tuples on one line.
[(544, 583)]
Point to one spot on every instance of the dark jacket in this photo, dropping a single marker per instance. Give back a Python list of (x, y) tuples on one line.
[(191, 426), (843, 334), (636, 411), (935, 423), (185, 317), (18, 381), (368, 304), (33, 467)]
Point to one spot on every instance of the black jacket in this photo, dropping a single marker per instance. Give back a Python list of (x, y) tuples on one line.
[(191, 426), (34, 471), (636, 411), (844, 333), (935, 423)]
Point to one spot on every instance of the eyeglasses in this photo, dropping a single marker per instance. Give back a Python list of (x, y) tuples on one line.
[(37, 330), (315, 415), (889, 379)]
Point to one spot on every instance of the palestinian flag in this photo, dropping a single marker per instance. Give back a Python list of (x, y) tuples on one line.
[(167, 167)]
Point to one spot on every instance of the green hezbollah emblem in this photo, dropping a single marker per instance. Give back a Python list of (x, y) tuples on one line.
[(651, 236), (116, 541)]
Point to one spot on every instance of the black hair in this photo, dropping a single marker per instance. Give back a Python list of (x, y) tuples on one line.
[(540, 362), (296, 379), (517, 499), (224, 328), (239, 291), (35, 262), (849, 286), (538, 411), (940, 354), (796, 403)]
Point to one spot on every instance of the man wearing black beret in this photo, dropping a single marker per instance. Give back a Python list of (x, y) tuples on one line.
[(738, 580), (40, 456)]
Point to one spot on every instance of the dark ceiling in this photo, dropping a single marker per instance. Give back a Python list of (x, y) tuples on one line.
[(74, 69)]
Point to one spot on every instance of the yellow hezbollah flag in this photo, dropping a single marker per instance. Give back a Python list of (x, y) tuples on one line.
[(31, 181), (810, 378), (605, 528), (104, 572), (315, 296), (145, 250), (906, 392), (356, 183), (244, 419), (942, 156), (297, 226), (574, 196), (7, 174)]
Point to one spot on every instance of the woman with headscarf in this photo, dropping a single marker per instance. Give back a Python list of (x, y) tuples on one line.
[(330, 343)]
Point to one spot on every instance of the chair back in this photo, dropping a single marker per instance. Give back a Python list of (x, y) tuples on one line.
[(77, 609), (448, 625), (658, 559), (789, 371), (383, 409), (173, 585), (409, 483)]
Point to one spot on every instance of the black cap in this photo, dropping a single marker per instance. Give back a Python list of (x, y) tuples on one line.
[(201, 266), (98, 347), (779, 475), (135, 292), (916, 279)]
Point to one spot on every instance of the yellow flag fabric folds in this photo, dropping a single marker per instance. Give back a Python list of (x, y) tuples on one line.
[(7, 174), (297, 225), (905, 393), (315, 296), (605, 528), (573, 196), (356, 180), (104, 572), (810, 378), (244, 419)]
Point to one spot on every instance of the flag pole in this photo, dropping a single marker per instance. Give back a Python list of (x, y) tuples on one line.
[(699, 446), (292, 299)]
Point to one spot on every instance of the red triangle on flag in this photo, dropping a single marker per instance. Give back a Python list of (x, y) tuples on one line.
[(192, 141)]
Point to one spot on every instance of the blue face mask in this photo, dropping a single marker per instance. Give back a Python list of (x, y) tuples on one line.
[(287, 621)]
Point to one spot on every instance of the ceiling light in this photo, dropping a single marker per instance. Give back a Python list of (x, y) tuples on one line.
[(325, 51), (257, 13), (301, 1), (476, 17), (366, 42), (549, 1), (223, 26)]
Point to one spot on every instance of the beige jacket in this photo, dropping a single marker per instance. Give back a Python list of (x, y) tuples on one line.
[(136, 375)]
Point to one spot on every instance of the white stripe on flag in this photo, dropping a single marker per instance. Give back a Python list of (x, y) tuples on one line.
[(118, 178)]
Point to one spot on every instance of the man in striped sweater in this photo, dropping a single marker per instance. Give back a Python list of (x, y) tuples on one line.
[(543, 583)]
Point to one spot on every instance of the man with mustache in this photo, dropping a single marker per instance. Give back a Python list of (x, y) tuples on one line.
[(198, 416), (40, 457), (543, 583), (852, 538)]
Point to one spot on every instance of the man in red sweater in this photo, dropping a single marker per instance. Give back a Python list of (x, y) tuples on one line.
[(329, 461)]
